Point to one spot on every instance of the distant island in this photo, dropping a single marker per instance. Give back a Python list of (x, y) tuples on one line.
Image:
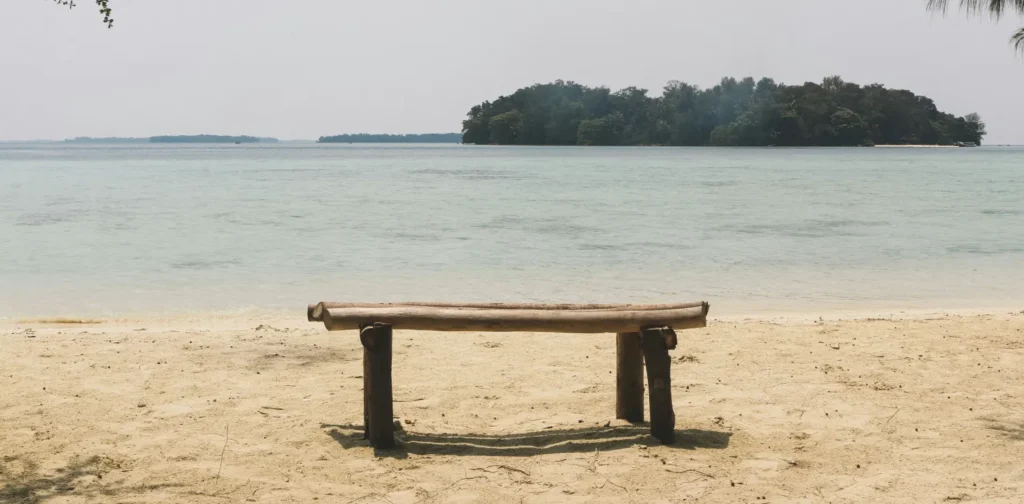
[(106, 140), (210, 139), (386, 138), (732, 113), (173, 139)]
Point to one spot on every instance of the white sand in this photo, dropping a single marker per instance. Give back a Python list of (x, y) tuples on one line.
[(153, 410)]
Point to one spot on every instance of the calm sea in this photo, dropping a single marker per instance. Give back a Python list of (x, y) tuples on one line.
[(108, 230)]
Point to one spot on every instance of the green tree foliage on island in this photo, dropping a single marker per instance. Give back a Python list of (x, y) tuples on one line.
[(104, 6), (734, 112), (995, 8), (387, 138)]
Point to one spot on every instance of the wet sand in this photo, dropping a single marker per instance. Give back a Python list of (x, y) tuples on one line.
[(261, 407)]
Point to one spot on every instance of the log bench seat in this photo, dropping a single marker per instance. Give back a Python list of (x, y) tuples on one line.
[(645, 334)]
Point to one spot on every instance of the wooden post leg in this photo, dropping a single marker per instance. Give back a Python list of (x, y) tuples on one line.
[(376, 341), (659, 382), (629, 378), (366, 337)]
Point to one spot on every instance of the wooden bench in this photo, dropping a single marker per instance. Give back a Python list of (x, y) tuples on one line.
[(645, 333)]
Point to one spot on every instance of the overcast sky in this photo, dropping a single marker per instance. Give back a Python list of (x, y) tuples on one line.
[(298, 69)]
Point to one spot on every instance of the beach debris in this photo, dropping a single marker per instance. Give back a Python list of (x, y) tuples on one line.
[(693, 471), (222, 450), (501, 466), (834, 346)]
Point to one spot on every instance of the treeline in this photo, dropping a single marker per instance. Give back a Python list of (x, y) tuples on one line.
[(209, 139), (106, 140), (172, 139), (386, 138), (743, 112)]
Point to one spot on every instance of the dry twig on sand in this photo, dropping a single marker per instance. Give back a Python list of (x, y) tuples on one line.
[(222, 450)]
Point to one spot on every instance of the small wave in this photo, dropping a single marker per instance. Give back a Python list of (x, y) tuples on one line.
[(257, 223), (119, 226), (469, 174), (330, 171), (63, 201), (808, 229), (544, 226), (978, 250), (201, 265), (504, 222), (564, 229), (43, 219), (850, 222), (657, 245), (422, 237), (1003, 211), (720, 183), (601, 247)]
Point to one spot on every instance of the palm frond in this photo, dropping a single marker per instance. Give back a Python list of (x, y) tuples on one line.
[(996, 8), (1018, 40)]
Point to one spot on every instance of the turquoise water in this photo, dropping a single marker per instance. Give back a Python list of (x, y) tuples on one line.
[(107, 230)]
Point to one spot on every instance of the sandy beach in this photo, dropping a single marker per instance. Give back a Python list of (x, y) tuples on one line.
[(266, 407)]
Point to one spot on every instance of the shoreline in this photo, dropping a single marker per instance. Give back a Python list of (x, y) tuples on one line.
[(232, 317)]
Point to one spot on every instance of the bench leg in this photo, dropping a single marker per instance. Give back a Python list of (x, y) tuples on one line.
[(377, 398), (366, 378), (629, 378), (659, 382)]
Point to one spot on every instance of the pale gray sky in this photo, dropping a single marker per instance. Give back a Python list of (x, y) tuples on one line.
[(304, 68)]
